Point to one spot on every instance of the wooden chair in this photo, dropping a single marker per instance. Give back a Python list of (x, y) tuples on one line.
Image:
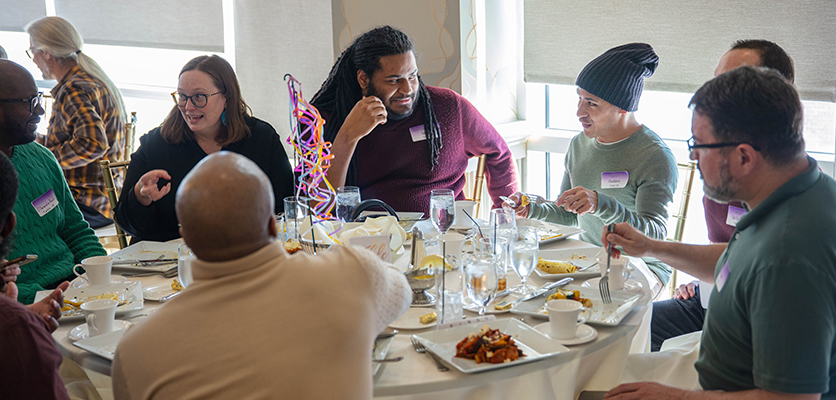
[(112, 196), (474, 183), (687, 171), (130, 135)]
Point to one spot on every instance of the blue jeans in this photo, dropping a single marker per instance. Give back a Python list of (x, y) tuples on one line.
[(675, 317)]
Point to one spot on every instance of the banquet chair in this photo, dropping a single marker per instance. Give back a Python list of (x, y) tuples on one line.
[(112, 196), (130, 136), (475, 182), (687, 171)]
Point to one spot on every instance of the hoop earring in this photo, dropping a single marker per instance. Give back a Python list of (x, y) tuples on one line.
[(223, 118)]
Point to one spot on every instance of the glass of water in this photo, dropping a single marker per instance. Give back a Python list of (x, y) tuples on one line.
[(184, 265), (481, 279), (498, 246), (524, 256), (442, 209), (294, 213), (348, 197)]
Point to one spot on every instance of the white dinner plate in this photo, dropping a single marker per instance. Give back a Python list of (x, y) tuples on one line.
[(471, 306), (534, 345), (157, 292), (585, 334), (102, 345), (468, 225), (630, 285), (80, 332), (590, 253), (600, 313), (129, 294), (409, 320), (80, 283), (550, 232), (146, 251)]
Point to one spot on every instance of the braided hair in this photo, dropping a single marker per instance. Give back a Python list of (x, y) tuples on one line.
[(341, 91)]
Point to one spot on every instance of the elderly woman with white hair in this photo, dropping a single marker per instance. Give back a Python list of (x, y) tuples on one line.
[(88, 115)]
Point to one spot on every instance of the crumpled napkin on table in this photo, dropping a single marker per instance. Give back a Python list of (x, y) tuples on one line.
[(387, 225)]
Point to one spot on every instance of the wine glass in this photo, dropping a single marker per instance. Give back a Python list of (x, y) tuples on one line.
[(498, 247), (480, 278), (524, 256), (442, 209)]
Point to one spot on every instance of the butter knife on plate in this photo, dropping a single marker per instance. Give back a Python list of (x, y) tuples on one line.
[(545, 289)]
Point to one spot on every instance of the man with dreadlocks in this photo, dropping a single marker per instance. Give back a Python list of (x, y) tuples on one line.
[(398, 139), (617, 170)]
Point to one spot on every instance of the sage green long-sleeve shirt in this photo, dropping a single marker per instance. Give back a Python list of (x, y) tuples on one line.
[(643, 202)]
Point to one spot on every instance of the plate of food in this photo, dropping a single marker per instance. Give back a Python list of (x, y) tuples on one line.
[(595, 309), (558, 264), (415, 318), (550, 232), (146, 257), (128, 294), (500, 305), (502, 343)]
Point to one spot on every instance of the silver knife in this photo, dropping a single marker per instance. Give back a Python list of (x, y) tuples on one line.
[(545, 289), (145, 262), (170, 296)]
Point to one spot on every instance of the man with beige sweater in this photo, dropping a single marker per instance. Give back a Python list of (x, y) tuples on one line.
[(258, 322)]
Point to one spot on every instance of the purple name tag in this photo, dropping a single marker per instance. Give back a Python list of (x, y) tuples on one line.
[(614, 180), (722, 277), (734, 215), (45, 203)]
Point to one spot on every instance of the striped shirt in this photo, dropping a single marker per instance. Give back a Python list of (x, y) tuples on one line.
[(84, 128)]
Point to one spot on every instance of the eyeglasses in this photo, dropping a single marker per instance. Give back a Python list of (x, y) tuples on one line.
[(199, 100), (31, 52), (692, 146), (34, 101)]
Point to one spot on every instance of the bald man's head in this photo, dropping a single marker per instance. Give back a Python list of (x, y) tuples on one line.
[(18, 120), (225, 207)]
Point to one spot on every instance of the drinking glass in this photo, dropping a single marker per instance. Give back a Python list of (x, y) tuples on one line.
[(442, 209), (524, 256), (498, 247), (184, 265), (348, 197), (293, 215), (480, 279)]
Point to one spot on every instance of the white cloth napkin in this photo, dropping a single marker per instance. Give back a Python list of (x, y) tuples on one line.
[(387, 225)]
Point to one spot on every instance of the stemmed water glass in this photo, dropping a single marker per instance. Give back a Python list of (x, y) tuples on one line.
[(524, 256), (442, 209), (481, 279)]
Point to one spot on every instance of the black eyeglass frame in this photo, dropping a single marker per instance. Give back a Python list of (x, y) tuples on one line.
[(34, 101), (692, 146), (31, 52), (175, 95)]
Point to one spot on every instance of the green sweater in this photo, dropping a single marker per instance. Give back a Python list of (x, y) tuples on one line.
[(61, 238), (643, 202)]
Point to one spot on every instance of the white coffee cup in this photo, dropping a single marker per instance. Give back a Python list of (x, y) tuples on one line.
[(564, 318), (461, 206), (99, 315), (98, 270), (618, 271), (453, 243)]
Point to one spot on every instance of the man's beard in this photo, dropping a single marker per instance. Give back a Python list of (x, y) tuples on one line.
[(391, 114), (727, 189)]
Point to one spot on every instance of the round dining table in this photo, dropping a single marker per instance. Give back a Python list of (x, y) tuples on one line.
[(596, 365)]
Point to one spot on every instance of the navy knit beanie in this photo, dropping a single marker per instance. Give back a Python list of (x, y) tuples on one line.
[(617, 76)]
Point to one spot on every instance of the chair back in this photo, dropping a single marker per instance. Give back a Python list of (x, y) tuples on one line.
[(112, 196), (687, 171), (475, 182), (130, 135)]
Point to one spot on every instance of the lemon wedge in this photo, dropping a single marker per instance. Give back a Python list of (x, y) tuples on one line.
[(524, 201), (434, 261)]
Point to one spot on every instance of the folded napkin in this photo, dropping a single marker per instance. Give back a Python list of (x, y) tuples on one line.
[(387, 225)]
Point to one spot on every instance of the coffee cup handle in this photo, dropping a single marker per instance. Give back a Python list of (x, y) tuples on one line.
[(77, 274), (91, 324)]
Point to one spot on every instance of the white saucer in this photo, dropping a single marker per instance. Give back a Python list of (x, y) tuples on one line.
[(630, 285), (585, 334), (80, 283), (409, 320), (80, 332)]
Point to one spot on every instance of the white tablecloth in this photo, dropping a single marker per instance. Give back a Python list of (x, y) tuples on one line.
[(594, 366)]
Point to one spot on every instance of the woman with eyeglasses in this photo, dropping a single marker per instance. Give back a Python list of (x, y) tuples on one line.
[(209, 116)]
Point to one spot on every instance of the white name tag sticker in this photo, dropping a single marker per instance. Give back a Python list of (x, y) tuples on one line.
[(614, 180), (45, 203), (418, 133), (722, 277), (378, 244), (734, 215)]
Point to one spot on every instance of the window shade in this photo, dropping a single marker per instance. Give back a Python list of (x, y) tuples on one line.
[(181, 24), (15, 14), (562, 36)]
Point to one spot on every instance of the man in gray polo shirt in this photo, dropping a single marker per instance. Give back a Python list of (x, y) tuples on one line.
[(770, 328)]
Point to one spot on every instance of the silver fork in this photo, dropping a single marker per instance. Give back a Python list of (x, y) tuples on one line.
[(421, 349), (604, 283)]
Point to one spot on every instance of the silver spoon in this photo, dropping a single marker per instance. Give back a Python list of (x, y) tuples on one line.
[(387, 360)]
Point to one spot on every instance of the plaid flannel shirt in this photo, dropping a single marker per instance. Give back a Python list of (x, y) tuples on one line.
[(84, 128)]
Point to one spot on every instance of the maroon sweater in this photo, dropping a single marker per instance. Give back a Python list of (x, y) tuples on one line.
[(394, 169)]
